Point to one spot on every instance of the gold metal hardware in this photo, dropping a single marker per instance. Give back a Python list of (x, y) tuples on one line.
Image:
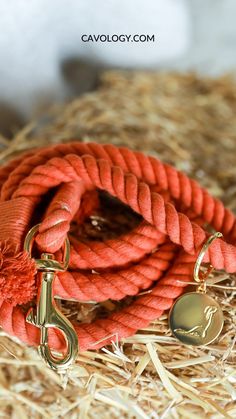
[(197, 275), (47, 315), (196, 318)]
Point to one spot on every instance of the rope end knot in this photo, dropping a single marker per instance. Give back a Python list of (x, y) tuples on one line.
[(17, 274)]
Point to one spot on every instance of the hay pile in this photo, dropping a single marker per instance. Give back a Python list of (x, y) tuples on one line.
[(186, 121)]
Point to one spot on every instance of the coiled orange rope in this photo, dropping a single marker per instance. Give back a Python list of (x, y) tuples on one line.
[(158, 254)]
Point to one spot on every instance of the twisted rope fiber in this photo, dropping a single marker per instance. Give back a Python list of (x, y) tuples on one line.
[(153, 256)]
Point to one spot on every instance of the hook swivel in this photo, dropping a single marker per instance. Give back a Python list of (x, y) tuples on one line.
[(47, 314)]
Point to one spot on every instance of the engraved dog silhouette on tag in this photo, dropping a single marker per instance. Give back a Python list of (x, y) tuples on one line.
[(200, 330)]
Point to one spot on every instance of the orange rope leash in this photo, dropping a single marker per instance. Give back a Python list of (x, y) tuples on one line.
[(156, 255)]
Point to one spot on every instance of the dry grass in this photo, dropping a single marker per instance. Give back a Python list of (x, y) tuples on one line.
[(189, 122)]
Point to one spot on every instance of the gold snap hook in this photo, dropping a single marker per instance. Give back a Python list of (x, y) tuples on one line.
[(47, 314)]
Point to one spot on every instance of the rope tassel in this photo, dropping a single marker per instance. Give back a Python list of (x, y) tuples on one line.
[(17, 275)]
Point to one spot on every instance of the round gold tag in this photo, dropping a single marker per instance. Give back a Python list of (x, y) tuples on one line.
[(196, 319)]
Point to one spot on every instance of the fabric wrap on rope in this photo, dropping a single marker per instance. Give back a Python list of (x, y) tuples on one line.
[(156, 255)]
